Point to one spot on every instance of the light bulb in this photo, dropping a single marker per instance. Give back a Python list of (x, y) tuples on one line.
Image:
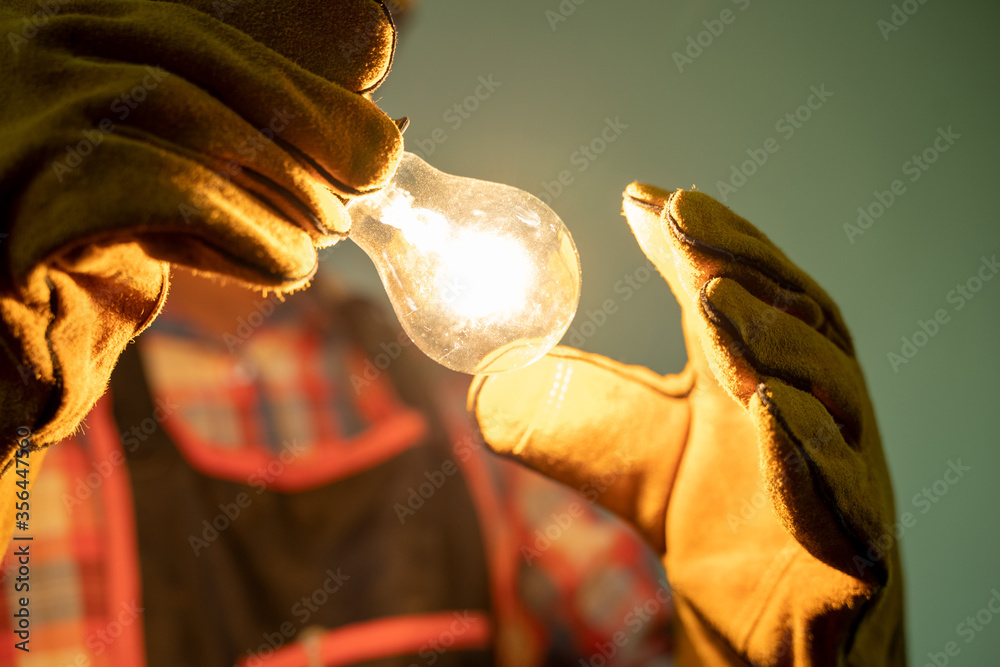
[(483, 277)]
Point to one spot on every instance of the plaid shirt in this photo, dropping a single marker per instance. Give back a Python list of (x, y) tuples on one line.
[(582, 586)]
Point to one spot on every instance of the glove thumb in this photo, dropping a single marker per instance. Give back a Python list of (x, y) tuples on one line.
[(615, 433)]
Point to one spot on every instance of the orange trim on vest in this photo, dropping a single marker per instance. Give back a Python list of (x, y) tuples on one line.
[(124, 589), (291, 471), (517, 636), (423, 634)]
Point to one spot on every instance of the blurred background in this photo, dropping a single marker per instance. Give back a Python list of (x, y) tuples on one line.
[(855, 96)]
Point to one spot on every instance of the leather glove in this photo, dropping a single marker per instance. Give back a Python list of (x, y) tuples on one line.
[(223, 136), (757, 472)]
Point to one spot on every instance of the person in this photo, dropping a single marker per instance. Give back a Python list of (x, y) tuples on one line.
[(269, 479), (225, 138)]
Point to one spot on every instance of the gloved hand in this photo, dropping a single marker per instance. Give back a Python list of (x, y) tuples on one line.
[(758, 471), (224, 136)]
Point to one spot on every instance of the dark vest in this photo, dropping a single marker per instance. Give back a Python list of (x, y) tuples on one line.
[(291, 565)]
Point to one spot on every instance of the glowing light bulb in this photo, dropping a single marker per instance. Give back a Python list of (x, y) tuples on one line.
[(483, 277)]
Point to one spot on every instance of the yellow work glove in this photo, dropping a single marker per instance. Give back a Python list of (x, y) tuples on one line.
[(758, 471), (222, 135)]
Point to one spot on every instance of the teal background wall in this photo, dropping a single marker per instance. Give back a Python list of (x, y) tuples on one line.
[(559, 80)]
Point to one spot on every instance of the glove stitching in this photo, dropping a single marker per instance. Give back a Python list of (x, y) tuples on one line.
[(719, 638), (754, 609), (141, 234), (252, 174), (848, 429), (754, 265), (392, 48), (557, 392), (678, 385), (823, 491), (198, 21), (648, 205), (304, 158)]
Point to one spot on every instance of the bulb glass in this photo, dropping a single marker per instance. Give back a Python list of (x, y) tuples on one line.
[(483, 277)]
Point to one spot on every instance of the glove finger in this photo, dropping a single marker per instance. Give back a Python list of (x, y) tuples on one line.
[(611, 431), (643, 208), (340, 137), (711, 240), (181, 212), (181, 118), (759, 342), (825, 493), (350, 42)]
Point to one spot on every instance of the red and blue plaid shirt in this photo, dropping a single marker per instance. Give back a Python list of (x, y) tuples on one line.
[(575, 585)]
